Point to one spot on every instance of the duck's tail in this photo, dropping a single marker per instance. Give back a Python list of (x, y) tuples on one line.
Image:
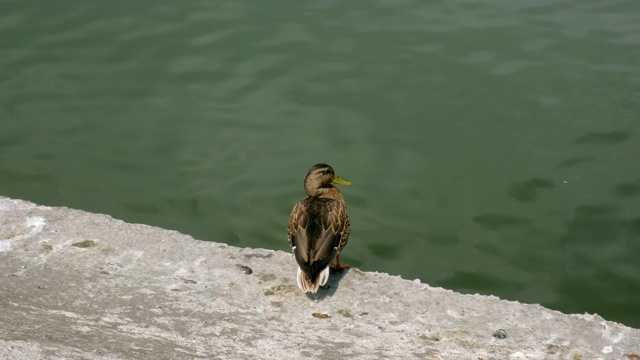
[(305, 283)]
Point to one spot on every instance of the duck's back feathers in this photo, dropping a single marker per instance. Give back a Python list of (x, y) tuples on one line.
[(318, 230)]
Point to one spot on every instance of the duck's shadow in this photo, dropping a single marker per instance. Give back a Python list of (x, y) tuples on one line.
[(332, 285)]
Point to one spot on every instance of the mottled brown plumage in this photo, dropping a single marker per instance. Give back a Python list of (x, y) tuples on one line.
[(319, 227)]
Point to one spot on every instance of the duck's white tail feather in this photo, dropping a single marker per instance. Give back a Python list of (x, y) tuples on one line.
[(306, 285)]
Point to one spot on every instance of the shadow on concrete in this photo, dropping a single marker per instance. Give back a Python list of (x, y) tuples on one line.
[(332, 285)]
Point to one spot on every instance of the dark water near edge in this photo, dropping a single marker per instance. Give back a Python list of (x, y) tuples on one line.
[(493, 146)]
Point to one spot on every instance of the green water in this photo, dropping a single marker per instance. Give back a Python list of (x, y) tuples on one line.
[(493, 146)]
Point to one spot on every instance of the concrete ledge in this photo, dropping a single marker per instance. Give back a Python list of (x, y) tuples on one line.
[(82, 285)]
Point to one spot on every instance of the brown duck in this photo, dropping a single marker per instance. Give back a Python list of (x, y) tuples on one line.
[(319, 228)]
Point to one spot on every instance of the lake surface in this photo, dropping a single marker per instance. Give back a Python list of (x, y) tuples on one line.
[(493, 147)]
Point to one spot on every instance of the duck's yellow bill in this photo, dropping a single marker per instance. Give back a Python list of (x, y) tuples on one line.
[(338, 180)]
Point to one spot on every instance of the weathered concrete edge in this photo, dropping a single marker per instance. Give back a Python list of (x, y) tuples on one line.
[(175, 297)]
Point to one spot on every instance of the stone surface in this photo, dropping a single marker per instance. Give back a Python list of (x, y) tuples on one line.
[(77, 285)]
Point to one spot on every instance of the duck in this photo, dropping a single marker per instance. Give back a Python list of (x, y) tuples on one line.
[(319, 228)]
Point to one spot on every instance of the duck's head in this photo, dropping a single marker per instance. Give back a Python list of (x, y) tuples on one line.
[(319, 179)]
